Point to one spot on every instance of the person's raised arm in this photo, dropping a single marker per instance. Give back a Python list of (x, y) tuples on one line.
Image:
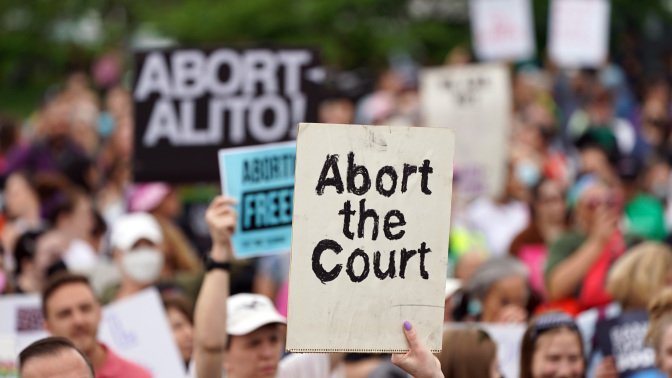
[(210, 312), (569, 274), (418, 361)]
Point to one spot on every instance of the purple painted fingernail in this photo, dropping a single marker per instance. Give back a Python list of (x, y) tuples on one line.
[(407, 325)]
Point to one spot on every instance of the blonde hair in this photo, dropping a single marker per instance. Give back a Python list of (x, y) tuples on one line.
[(639, 274), (660, 317)]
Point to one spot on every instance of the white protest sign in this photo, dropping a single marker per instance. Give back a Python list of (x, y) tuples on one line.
[(369, 237), (508, 338), (137, 329), (579, 32), (475, 101), (502, 29), (21, 315)]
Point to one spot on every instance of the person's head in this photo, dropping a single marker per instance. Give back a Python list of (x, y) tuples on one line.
[(71, 310), (21, 197), (137, 242), (54, 357), (468, 352), (338, 110), (551, 348), (659, 335), (589, 196), (24, 252), (49, 250), (73, 214), (256, 335), (181, 321), (639, 274), (498, 284), (548, 202)]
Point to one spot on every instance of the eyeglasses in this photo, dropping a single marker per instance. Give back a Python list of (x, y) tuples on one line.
[(550, 321)]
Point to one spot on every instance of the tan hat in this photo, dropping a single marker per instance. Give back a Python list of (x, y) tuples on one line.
[(249, 312)]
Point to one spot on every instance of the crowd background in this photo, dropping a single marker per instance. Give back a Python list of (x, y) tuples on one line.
[(582, 224)]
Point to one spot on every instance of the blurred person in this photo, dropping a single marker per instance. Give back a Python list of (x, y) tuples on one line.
[(163, 202), (599, 113), (38, 254), (111, 196), (180, 318), (552, 347), (21, 208), (598, 155), (242, 336), (9, 139), (644, 214), (71, 310), (498, 292), (72, 215), (84, 127), (137, 249), (377, 106), (338, 110), (579, 260), (548, 221), (468, 352), (503, 217), (53, 150), (633, 281), (659, 333), (54, 357)]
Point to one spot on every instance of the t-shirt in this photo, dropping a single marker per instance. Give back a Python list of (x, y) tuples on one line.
[(561, 249), (115, 366)]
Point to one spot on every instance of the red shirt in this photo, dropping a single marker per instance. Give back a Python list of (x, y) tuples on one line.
[(115, 366)]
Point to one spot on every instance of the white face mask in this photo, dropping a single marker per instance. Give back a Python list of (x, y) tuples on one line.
[(143, 264)]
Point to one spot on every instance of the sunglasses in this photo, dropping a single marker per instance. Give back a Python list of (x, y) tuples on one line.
[(612, 201)]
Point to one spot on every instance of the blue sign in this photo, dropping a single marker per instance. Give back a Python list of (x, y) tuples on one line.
[(261, 179)]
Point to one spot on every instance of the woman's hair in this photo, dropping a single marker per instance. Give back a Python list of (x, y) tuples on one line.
[(660, 317), (467, 352), (548, 323), (179, 303), (639, 274), (492, 271)]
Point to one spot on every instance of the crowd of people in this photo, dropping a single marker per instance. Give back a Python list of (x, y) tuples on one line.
[(575, 244)]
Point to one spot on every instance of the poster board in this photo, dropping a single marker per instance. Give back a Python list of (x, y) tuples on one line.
[(623, 338), (145, 339), (579, 32), (261, 179), (474, 101), (189, 103), (502, 29), (21, 316), (364, 194)]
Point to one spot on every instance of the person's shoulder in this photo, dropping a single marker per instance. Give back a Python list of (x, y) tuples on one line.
[(567, 239), (127, 368)]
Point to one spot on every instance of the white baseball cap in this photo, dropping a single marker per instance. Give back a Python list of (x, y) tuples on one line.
[(130, 228), (249, 312)]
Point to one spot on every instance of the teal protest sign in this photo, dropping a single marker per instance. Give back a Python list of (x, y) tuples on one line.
[(261, 179)]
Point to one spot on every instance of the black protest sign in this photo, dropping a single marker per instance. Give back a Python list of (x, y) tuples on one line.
[(623, 338), (190, 103)]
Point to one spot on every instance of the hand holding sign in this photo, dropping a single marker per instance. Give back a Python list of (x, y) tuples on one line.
[(418, 361), (221, 219)]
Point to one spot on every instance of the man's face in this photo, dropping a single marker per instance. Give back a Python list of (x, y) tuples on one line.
[(255, 355), (74, 313), (65, 364)]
